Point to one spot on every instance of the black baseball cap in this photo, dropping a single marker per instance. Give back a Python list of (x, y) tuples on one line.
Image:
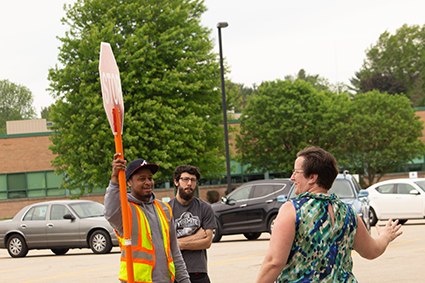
[(134, 165)]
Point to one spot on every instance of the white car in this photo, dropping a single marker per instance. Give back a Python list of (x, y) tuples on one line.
[(400, 199)]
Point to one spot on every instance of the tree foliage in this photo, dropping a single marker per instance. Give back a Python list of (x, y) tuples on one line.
[(318, 83), (278, 122), (400, 57), (15, 103), (170, 83), (240, 95), (381, 133), (45, 112), (370, 135), (382, 83)]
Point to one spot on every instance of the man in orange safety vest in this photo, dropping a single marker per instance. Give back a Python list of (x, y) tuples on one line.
[(156, 254)]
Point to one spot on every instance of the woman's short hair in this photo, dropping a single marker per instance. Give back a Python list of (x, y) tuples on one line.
[(319, 161)]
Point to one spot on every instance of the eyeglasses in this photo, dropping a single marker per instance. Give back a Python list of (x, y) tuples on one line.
[(187, 179), (297, 171)]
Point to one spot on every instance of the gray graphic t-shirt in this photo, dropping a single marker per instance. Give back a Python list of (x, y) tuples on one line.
[(188, 219), (187, 224)]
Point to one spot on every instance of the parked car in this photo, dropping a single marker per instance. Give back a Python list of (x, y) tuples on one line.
[(348, 189), (400, 199), (59, 226), (250, 209)]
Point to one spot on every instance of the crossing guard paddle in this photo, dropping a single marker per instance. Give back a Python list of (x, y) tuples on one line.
[(114, 106)]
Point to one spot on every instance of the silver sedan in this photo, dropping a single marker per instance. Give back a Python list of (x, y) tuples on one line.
[(59, 226)]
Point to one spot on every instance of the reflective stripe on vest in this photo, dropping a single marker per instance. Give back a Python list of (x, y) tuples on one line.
[(143, 250), (165, 214)]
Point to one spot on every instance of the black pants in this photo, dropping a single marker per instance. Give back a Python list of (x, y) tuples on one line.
[(198, 278)]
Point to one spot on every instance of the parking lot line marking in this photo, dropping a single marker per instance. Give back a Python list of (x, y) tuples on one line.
[(68, 274), (7, 270), (231, 259), (404, 242), (353, 253)]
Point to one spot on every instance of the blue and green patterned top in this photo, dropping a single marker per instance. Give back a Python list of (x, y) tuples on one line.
[(321, 252)]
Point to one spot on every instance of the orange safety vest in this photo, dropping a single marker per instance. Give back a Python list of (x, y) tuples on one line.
[(141, 243)]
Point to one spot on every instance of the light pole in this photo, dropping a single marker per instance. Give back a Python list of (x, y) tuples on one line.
[(221, 25)]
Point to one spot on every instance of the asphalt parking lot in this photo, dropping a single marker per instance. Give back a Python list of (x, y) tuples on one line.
[(233, 259)]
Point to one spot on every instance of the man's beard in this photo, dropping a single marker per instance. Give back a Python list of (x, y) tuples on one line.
[(184, 195)]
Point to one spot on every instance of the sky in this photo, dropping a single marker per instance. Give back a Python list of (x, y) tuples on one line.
[(265, 40)]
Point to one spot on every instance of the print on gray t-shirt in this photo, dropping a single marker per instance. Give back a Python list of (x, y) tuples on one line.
[(187, 224)]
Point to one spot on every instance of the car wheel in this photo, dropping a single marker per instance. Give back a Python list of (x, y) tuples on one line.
[(216, 233), (252, 236), (100, 243), (372, 217), (402, 221), (16, 246), (60, 251), (271, 224)]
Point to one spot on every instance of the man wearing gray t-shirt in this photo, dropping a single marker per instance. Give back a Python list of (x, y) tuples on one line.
[(194, 221)]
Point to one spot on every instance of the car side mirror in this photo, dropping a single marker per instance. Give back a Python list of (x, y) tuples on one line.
[(363, 194), (69, 216), (224, 200), (282, 198), (414, 192)]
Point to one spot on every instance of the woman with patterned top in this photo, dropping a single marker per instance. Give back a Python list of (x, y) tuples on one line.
[(314, 233)]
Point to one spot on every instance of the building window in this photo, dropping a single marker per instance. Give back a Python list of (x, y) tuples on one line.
[(16, 186), (36, 184), (30, 185), (53, 183), (3, 187)]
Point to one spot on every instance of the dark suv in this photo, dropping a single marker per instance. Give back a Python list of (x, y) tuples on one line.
[(250, 209)]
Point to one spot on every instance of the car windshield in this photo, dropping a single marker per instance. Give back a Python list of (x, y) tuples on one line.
[(421, 184), (87, 209), (341, 187)]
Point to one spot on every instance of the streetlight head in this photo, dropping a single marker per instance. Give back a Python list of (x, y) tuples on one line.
[(222, 24)]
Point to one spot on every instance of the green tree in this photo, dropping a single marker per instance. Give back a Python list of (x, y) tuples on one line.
[(335, 111), (371, 134), (279, 121), (238, 95), (355, 82), (318, 83), (233, 98), (382, 83), (381, 133), (45, 113), (362, 82), (400, 56), (170, 81), (15, 103)]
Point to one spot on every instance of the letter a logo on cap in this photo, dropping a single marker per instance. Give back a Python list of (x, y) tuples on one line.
[(143, 163)]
